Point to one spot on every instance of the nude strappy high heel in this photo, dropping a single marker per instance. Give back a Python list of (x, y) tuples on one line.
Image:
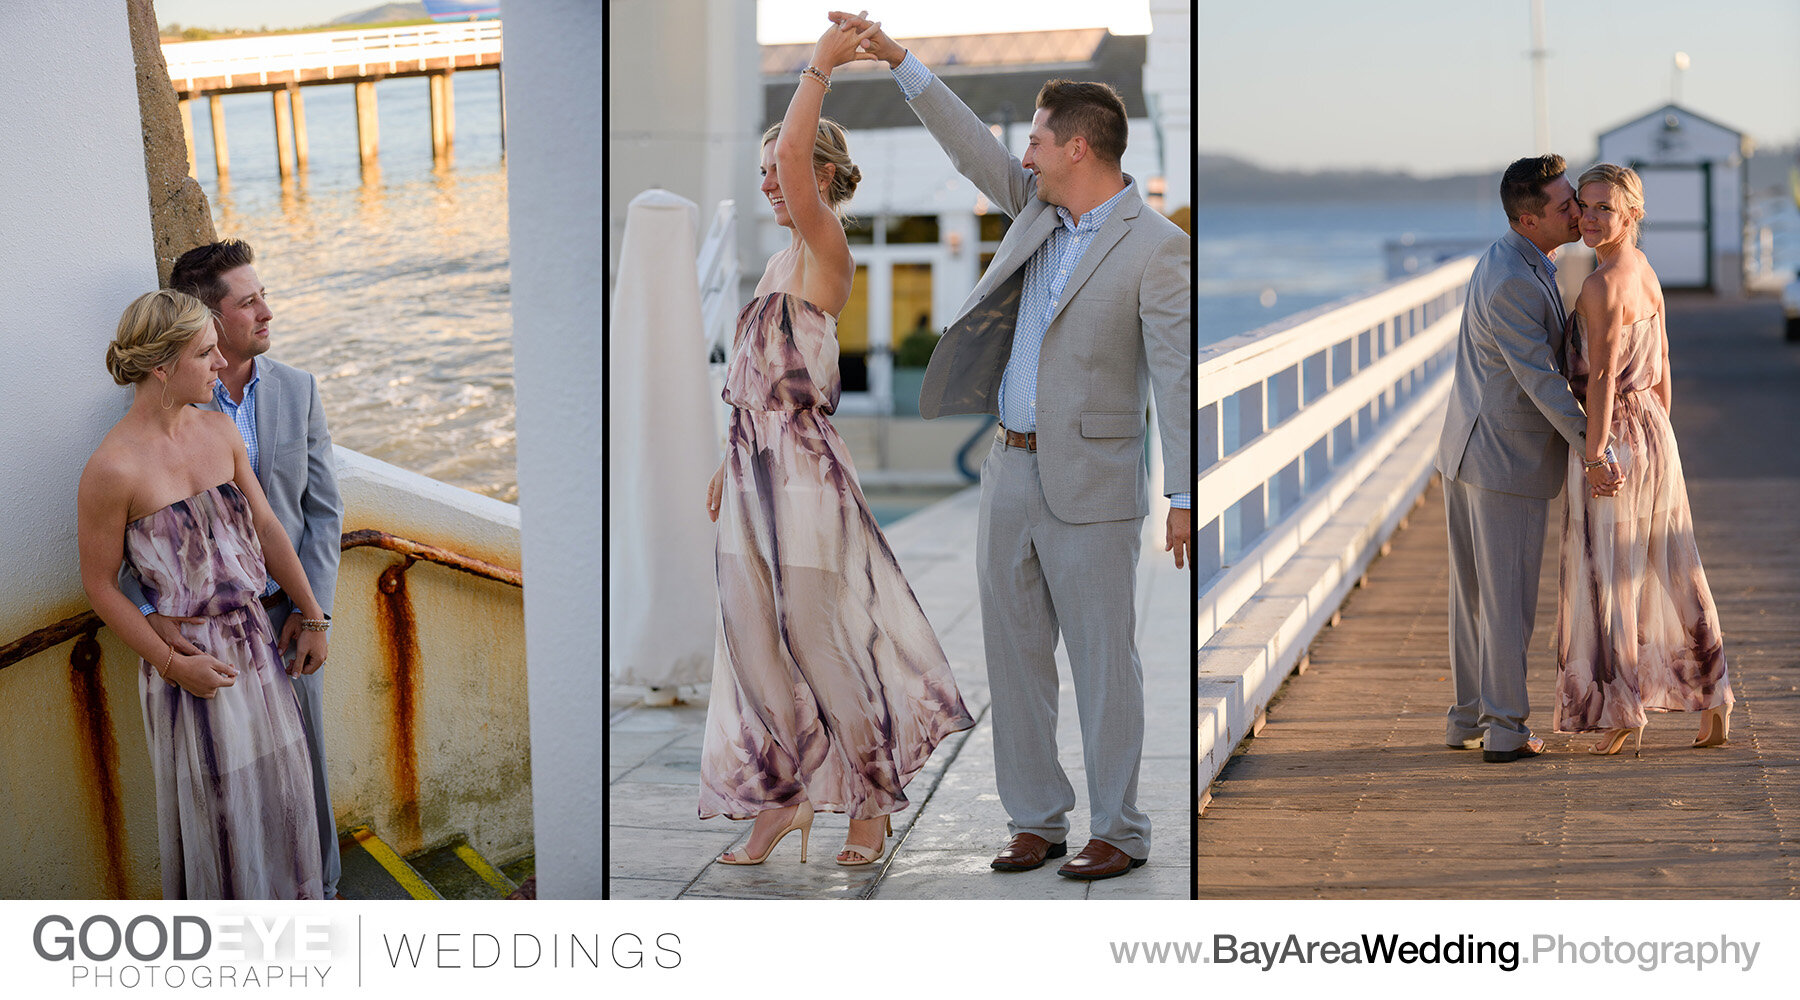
[(802, 820), (1614, 741), (868, 855), (1715, 727)]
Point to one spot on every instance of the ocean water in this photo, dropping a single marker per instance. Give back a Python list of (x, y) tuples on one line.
[(1259, 263), (393, 288)]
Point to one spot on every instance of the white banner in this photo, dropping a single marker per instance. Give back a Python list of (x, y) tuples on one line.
[(775, 948)]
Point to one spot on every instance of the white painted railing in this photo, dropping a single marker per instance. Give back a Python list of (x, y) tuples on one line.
[(718, 268), (390, 49), (1316, 435)]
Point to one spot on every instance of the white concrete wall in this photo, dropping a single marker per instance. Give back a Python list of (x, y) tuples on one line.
[(470, 734), (558, 233), (687, 105), (75, 249), (1169, 89)]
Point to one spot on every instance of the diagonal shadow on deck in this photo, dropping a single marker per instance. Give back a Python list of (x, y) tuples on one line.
[(1349, 791)]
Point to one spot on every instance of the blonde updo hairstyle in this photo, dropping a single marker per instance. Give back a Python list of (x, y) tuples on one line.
[(1630, 187), (829, 146), (152, 333)]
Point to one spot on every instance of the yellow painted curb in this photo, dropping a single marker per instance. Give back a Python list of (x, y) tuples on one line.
[(401, 871), (489, 874)]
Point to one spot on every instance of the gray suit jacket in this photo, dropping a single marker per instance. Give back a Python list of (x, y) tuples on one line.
[(296, 469), (1123, 323), (1511, 415)]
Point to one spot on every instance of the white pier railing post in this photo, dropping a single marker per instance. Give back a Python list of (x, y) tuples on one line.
[(1315, 436)]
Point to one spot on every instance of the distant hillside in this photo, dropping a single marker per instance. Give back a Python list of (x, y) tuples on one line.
[(1227, 179), (384, 13), (1230, 179)]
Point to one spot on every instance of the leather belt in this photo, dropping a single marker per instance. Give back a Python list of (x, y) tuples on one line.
[(1014, 439), (271, 600)]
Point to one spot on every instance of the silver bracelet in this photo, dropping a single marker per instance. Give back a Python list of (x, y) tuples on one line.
[(817, 74)]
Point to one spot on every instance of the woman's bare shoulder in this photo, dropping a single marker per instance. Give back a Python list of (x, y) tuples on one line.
[(115, 464), (1600, 291)]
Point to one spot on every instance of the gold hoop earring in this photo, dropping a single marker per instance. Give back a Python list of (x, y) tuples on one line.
[(166, 403)]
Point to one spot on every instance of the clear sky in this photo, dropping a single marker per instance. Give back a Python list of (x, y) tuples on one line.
[(777, 20), (1441, 86), (780, 21), (256, 13)]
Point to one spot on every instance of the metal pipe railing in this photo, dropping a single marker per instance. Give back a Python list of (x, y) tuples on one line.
[(51, 636)]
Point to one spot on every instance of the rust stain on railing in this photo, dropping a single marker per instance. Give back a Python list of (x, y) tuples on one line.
[(396, 625), (102, 756), (48, 637), (432, 553), (55, 634), (400, 650)]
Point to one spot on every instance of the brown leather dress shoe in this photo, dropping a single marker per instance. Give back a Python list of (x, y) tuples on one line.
[(1099, 860), (1026, 852)]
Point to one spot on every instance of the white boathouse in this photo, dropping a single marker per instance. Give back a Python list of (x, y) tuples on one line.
[(1693, 170)]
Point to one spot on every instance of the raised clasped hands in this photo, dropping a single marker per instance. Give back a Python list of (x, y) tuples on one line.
[(843, 42), (876, 44)]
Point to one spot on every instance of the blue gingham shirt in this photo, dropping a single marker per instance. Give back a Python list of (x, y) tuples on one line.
[(1551, 265), (244, 416), (1046, 275)]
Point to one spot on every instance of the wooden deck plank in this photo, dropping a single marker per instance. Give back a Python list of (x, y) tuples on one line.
[(1349, 792)]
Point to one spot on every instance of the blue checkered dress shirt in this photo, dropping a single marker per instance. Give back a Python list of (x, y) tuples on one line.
[(242, 414)]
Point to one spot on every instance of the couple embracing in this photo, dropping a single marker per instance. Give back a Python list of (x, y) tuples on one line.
[(209, 544), (1545, 401), (830, 689)]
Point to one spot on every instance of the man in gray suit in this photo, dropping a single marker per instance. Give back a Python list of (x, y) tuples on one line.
[(279, 414), (1504, 455), (1087, 303)]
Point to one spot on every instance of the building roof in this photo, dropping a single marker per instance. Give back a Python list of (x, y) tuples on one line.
[(1668, 109), (996, 75)]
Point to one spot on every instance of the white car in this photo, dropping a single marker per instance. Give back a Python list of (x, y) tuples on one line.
[(1790, 304)]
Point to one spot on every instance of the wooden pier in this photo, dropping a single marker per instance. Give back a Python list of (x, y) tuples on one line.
[(281, 65), (1349, 791)]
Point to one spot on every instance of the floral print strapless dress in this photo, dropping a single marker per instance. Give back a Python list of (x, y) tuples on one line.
[(234, 797), (1636, 628), (829, 685)]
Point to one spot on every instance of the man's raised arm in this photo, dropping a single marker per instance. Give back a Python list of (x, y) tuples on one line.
[(975, 152)]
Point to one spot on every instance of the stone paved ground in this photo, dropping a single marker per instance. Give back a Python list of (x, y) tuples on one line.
[(659, 850)]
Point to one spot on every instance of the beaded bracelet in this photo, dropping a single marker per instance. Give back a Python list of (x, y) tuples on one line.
[(815, 73), (315, 624)]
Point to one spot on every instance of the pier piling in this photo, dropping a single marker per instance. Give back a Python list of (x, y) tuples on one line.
[(284, 133), (187, 134), (221, 158), (368, 128), (299, 126), (443, 116)]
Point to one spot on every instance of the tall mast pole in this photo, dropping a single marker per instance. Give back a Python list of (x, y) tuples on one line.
[(1539, 86)]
